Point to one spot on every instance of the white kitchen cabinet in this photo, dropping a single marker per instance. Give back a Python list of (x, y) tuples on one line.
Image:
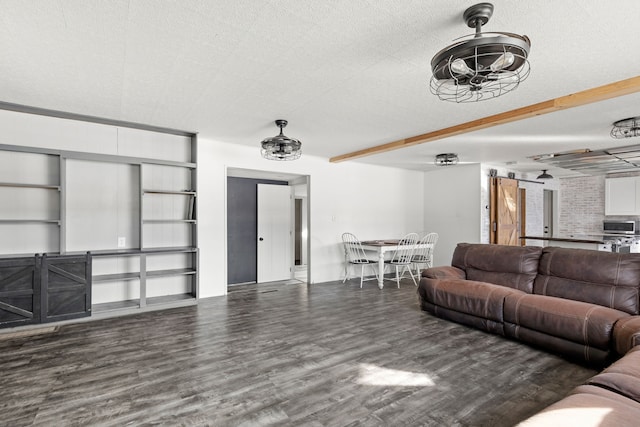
[(622, 196)]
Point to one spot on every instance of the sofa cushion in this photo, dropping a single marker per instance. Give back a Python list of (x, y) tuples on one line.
[(588, 406), (603, 278), (580, 322), (626, 334), (464, 318), (623, 377), (592, 356), (443, 272), (479, 299), (511, 266)]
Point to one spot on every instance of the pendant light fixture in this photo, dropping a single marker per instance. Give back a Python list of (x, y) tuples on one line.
[(480, 66), (626, 128), (544, 175), (281, 147)]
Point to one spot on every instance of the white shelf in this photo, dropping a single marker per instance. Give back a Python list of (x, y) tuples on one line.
[(19, 185), (171, 272), (101, 278), (30, 221), (175, 192), (135, 252), (168, 221), (115, 306), (119, 308)]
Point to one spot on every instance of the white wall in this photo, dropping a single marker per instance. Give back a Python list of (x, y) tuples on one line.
[(372, 202), (61, 134), (457, 206), (452, 204)]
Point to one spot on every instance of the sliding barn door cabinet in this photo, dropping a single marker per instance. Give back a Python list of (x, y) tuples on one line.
[(41, 289)]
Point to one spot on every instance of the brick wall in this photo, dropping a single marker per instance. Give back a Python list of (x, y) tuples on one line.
[(581, 205)]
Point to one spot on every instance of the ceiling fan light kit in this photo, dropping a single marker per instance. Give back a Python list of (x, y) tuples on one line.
[(281, 147), (480, 66), (446, 159), (626, 128)]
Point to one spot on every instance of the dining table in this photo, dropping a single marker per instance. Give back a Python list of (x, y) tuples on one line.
[(381, 247)]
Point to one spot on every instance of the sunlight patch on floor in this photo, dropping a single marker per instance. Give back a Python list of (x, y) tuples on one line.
[(578, 416), (378, 376)]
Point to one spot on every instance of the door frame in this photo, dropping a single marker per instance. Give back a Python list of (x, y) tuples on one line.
[(548, 212), (304, 225), (522, 214)]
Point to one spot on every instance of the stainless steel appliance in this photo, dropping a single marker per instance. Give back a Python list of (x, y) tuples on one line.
[(627, 227), (622, 236)]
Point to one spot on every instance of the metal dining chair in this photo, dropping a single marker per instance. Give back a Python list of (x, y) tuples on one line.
[(403, 255), (423, 254), (355, 255)]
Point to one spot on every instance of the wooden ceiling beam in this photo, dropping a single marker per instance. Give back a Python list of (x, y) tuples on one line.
[(600, 93)]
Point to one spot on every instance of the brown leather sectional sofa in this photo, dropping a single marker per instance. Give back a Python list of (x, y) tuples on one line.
[(582, 304)]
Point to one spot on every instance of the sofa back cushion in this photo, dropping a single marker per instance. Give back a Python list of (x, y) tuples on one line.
[(511, 266), (603, 278)]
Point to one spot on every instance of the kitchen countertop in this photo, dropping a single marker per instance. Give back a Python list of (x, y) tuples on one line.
[(583, 238)]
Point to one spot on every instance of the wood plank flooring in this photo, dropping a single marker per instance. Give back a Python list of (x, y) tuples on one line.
[(292, 355)]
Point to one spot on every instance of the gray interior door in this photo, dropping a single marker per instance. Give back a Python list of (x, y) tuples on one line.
[(242, 228)]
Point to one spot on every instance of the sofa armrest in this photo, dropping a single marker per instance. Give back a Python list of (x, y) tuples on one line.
[(626, 334), (444, 272)]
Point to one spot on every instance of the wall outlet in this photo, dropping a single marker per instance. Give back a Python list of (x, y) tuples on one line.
[(122, 242)]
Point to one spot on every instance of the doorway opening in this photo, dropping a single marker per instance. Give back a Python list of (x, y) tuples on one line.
[(548, 212), (300, 237), (258, 233)]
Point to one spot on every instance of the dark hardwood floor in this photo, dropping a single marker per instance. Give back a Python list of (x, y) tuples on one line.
[(321, 355)]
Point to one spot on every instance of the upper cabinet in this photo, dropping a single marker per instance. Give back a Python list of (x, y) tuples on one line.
[(622, 196)]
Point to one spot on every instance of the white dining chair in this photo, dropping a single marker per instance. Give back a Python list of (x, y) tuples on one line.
[(402, 256), (423, 255), (355, 255)]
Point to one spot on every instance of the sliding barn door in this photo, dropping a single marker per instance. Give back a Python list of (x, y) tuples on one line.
[(504, 211), (19, 291)]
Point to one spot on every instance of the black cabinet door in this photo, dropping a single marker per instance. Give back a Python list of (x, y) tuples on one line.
[(66, 287), (19, 291)]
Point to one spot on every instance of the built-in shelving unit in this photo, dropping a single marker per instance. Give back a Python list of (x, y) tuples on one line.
[(146, 272), (133, 210), (30, 213), (168, 205)]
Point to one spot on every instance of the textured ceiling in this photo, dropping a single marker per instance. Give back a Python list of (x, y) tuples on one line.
[(346, 74)]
